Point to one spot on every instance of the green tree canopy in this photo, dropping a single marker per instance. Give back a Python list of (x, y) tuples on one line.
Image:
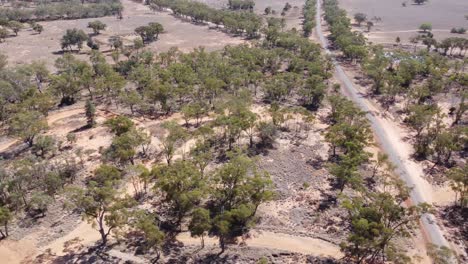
[(97, 26)]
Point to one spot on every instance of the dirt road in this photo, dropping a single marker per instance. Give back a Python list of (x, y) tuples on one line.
[(51, 118), (278, 241), (388, 136)]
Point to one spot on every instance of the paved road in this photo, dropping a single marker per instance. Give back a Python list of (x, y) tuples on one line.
[(430, 228)]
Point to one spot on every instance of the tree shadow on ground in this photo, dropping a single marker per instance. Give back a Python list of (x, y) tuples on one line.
[(14, 151), (94, 254), (456, 216), (81, 129), (328, 201)]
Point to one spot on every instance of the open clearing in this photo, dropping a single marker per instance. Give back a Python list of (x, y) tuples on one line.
[(403, 22), (29, 46)]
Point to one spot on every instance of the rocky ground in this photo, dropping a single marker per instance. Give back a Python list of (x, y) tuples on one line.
[(305, 204)]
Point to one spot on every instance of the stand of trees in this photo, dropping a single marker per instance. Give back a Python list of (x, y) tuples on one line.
[(377, 214), (219, 201), (449, 45), (234, 22), (62, 10), (73, 37), (150, 32), (416, 80), (97, 26), (241, 4), (434, 139), (198, 83), (352, 44), (398, 73), (309, 12)]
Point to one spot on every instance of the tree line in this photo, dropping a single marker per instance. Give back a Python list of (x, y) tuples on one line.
[(241, 4), (352, 44), (235, 22), (62, 10), (309, 12), (373, 196)]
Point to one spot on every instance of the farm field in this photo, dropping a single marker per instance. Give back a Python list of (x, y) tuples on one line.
[(404, 22)]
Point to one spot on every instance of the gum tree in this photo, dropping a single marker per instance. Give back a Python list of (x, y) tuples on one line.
[(97, 26), (102, 205), (27, 125), (360, 17)]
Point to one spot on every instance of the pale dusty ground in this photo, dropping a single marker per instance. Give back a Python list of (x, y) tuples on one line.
[(293, 17), (304, 245), (29, 46), (71, 118), (15, 251), (405, 21)]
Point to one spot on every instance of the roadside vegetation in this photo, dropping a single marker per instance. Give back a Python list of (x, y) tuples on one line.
[(309, 12), (414, 85)]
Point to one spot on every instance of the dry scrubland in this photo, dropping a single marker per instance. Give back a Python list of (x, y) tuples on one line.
[(404, 22), (62, 237), (304, 223), (293, 227)]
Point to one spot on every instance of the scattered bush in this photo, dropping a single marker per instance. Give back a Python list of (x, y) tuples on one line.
[(73, 37), (458, 30)]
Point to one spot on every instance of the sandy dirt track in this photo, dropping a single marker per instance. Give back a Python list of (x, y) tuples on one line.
[(271, 240), (84, 234)]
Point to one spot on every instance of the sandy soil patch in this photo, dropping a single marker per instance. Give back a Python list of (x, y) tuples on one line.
[(13, 252), (271, 240)]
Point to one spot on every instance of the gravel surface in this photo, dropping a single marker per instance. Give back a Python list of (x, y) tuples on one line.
[(305, 204)]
